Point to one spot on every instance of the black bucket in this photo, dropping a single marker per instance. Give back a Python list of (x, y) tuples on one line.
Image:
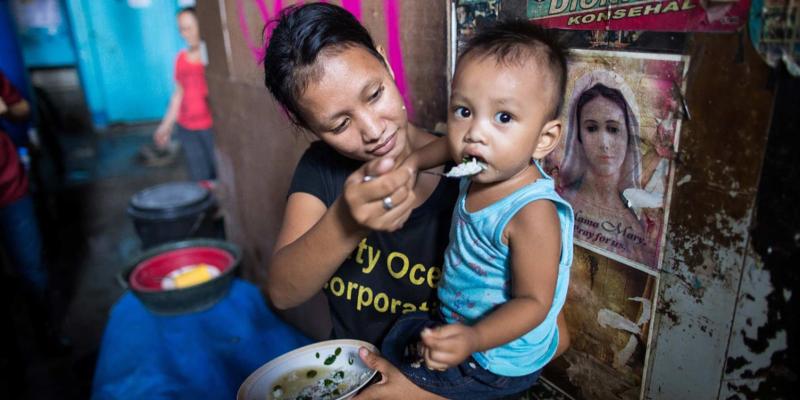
[(173, 211)]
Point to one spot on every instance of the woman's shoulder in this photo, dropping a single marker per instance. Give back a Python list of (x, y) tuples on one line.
[(320, 172), (322, 153), (322, 160)]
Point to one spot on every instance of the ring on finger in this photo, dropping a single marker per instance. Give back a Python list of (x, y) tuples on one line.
[(387, 203)]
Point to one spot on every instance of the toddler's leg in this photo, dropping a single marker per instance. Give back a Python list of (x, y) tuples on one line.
[(468, 380)]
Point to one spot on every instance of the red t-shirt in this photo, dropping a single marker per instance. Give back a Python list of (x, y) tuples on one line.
[(13, 181), (194, 113)]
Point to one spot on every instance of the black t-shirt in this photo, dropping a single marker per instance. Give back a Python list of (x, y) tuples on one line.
[(388, 274)]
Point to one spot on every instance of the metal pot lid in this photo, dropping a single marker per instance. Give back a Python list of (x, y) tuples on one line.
[(170, 196)]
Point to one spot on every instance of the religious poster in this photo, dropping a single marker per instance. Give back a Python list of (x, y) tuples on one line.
[(621, 118), (633, 15), (609, 311)]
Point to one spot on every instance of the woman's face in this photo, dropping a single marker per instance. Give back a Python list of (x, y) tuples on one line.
[(604, 136), (187, 25), (354, 106)]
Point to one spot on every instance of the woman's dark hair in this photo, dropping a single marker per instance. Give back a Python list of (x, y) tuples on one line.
[(614, 95), (301, 33), (519, 42), (190, 10)]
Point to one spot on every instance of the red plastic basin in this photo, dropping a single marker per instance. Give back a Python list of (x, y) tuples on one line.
[(148, 274)]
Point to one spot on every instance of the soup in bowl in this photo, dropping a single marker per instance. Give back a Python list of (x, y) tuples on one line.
[(329, 370)]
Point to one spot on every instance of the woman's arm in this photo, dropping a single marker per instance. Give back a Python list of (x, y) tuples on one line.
[(314, 240), (164, 130), (312, 243)]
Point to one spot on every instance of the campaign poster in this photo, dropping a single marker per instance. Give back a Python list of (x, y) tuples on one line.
[(621, 118), (646, 15)]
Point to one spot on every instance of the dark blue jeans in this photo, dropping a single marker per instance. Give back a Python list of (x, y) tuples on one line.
[(198, 147), (468, 380), (22, 241)]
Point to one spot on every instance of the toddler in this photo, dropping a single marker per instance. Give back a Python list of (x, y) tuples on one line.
[(506, 268)]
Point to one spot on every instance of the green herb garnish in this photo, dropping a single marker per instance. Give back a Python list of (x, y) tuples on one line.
[(339, 374), (311, 373), (331, 358)]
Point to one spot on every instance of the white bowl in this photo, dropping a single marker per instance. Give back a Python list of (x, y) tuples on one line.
[(259, 385)]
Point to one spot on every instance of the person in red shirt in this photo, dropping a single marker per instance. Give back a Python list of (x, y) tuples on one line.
[(189, 105), (19, 227), (13, 182)]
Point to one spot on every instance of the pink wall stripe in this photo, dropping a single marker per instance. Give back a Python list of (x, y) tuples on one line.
[(354, 6), (392, 14)]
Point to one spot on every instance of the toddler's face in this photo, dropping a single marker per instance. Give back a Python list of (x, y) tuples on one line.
[(497, 112)]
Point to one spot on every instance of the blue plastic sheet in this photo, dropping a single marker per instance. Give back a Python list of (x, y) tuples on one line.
[(204, 355)]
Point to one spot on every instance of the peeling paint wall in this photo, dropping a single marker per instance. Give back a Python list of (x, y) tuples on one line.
[(711, 216), (763, 359)]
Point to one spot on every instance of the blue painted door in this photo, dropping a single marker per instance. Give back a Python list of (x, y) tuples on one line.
[(44, 33), (126, 56)]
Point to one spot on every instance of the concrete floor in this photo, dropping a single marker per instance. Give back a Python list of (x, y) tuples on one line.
[(89, 237)]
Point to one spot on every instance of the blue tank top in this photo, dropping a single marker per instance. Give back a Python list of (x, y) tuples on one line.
[(477, 275)]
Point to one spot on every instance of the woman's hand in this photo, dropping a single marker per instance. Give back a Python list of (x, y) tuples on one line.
[(162, 136), (393, 384), (383, 201), (447, 346)]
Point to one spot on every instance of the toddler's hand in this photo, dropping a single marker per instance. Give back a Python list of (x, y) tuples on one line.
[(447, 346), (411, 165)]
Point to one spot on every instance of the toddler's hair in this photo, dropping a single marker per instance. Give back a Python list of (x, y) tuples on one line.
[(515, 42)]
